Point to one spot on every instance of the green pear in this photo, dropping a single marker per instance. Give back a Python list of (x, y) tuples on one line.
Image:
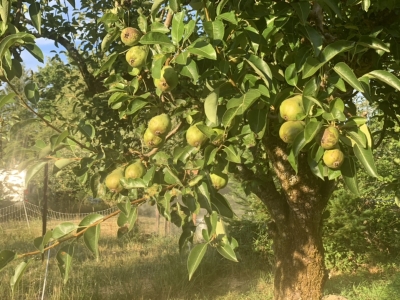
[(219, 180), (136, 56), (330, 138), (289, 130), (130, 36), (168, 80), (160, 124), (151, 140), (291, 108), (195, 137), (135, 170), (333, 158), (112, 180)]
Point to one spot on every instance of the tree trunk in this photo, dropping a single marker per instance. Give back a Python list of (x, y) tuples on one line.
[(296, 227), (299, 261)]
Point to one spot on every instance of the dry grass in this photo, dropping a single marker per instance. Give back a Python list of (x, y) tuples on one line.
[(146, 266)]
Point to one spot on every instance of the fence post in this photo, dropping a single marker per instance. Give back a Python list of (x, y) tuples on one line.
[(44, 213)]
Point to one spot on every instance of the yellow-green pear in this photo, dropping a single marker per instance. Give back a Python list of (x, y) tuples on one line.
[(130, 36), (151, 140), (136, 56), (219, 180), (160, 124), (168, 79), (112, 180), (330, 138), (291, 108), (135, 170), (195, 137), (289, 130), (333, 158)]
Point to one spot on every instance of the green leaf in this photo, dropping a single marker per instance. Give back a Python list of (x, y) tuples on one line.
[(298, 144), (334, 6), (261, 65), (232, 154), (19, 271), (170, 177), (90, 219), (152, 38), (134, 106), (109, 38), (203, 49), (190, 70), (257, 119), (315, 38), (365, 4), (367, 160), (178, 27), (88, 130), (189, 29), (385, 77), (32, 92), (195, 257), (6, 256), (6, 99), (358, 137), (244, 102), (35, 51), (155, 7), (226, 251), (333, 49), (36, 16), (373, 43), (311, 66), (132, 183), (91, 239), (347, 74), (354, 122), (32, 171), (64, 258), (41, 241), (221, 205), (4, 12), (106, 66), (220, 6), (63, 229), (349, 173), (303, 10), (214, 29), (174, 5), (8, 41), (291, 75), (311, 130), (228, 16)]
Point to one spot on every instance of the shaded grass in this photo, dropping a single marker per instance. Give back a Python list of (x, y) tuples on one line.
[(146, 266)]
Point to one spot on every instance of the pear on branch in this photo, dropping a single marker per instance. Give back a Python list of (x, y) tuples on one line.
[(135, 170), (130, 36), (151, 140), (289, 130), (168, 80), (291, 108), (136, 56), (112, 180), (333, 158), (160, 125), (195, 137)]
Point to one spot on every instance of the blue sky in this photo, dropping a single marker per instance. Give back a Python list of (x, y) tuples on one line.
[(47, 45)]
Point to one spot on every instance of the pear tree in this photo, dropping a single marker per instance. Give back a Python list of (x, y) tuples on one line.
[(200, 91)]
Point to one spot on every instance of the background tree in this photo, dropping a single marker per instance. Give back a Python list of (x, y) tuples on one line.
[(233, 65)]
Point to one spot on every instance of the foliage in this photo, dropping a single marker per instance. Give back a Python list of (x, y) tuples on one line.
[(236, 62)]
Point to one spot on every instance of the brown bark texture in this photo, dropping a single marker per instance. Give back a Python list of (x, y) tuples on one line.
[(296, 210)]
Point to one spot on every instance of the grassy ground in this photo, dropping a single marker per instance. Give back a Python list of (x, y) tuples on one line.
[(144, 266)]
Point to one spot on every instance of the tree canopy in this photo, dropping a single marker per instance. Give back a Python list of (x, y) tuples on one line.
[(194, 91)]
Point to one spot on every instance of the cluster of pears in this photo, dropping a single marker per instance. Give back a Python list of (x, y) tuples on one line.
[(168, 79), (156, 131), (290, 110), (329, 140), (134, 170), (136, 55)]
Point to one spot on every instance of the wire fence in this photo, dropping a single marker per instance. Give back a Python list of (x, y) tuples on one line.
[(26, 212)]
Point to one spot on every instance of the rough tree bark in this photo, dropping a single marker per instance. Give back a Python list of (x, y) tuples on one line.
[(296, 210)]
